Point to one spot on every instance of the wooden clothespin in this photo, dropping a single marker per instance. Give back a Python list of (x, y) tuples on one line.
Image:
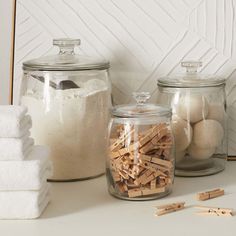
[(210, 194), (215, 211), (165, 209)]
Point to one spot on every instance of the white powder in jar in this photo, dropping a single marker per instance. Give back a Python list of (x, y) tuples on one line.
[(73, 123)]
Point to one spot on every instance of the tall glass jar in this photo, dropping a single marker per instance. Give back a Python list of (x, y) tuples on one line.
[(68, 98), (140, 164), (199, 120)]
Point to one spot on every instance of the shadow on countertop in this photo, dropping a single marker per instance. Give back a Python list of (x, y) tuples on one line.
[(192, 185), (74, 197)]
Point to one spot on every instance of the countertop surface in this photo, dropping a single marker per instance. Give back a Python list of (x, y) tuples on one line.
[(85, 208)]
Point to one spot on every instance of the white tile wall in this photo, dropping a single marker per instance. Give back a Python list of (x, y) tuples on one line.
[(142, 39)]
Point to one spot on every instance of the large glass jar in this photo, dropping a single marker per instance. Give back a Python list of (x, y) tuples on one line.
[(68, 98), (199, 120), (140, 163)]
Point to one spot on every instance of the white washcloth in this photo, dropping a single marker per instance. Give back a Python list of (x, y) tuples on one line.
[(14, 122), (16, 148), (24, 204), (28, 174)]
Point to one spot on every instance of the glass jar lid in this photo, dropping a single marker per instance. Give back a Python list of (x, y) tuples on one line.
[(141, 109), (191, 78), (66, 60)]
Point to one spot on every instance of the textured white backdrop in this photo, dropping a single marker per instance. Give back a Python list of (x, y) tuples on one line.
[(142, 39)]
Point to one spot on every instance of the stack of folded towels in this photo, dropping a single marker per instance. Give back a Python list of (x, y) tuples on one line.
[(24, 168)]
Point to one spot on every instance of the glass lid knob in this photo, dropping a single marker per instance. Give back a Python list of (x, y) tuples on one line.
[(191, 66), (141, 97), (66, 45)]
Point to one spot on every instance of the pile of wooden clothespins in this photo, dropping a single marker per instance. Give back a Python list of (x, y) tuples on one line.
[(206, 210)]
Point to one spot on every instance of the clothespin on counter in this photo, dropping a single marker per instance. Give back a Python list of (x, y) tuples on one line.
[(165, 209), (210, 194), (214, 211)]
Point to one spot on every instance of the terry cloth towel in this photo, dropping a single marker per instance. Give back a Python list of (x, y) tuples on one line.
[(23, 204), (14, 122), (29, 174), (16, 148)]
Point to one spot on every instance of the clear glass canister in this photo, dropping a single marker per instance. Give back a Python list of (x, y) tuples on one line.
[(140, 164), (68, 98), (199, 120)]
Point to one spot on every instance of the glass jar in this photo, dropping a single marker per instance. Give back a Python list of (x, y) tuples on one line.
[(199, 120), (68, 98), (140, 164)]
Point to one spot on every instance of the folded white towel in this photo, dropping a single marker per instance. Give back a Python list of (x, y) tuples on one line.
[(12, 111), (29, 174), (14, 122), (24, 204), (16, 148)]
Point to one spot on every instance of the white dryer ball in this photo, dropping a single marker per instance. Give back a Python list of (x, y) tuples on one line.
[(216, 112), (200, 153), (192, 108), (208, 134), (179, 156), (183, 133)]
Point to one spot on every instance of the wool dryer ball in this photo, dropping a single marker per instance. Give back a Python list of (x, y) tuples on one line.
[(216, 112), (179, 156), (192, 108), (207, 134), (183, 133), (200, 153)]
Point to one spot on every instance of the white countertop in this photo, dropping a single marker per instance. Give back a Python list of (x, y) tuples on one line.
[(85, 208)]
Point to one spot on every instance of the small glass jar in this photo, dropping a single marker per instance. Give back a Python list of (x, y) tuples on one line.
[(140, 164), (68, 97), (199, 120)]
